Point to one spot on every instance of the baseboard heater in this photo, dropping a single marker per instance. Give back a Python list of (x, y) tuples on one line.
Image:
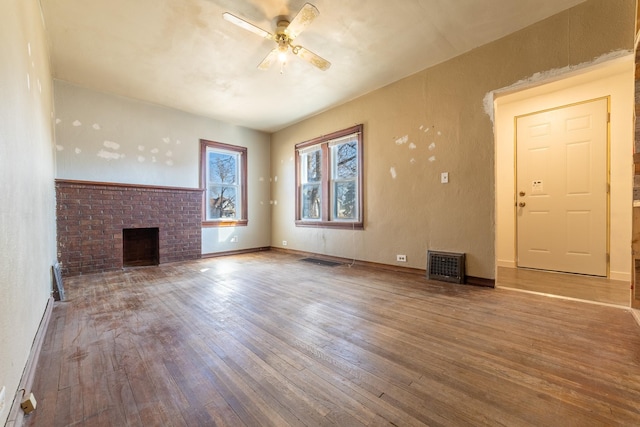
[(445, 266)]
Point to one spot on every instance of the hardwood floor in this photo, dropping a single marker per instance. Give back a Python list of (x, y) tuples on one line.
[(596, 289), (264, 339)]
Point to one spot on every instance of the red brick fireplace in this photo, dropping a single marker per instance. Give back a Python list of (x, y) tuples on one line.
[(92, 219)]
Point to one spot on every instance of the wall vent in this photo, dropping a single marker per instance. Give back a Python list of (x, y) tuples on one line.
[(445, 266), (58, 287)]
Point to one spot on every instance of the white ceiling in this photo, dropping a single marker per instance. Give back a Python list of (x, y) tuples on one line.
[(182, 54)]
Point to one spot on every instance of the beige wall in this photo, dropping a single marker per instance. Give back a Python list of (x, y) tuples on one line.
[(27, 211), (440, 111), (613, 79), (108, 138)]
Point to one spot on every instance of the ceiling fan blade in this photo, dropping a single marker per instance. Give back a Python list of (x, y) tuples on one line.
[(246, 25), (269, 60), (302, 20), (312, 58)]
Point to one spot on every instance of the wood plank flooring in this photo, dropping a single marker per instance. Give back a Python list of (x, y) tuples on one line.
[(266, 340), (588, 288)]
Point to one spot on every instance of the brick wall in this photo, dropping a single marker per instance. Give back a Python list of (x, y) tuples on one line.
[(91, 216)]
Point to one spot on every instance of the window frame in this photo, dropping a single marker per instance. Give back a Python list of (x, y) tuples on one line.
[(327, 204), (241, 152)]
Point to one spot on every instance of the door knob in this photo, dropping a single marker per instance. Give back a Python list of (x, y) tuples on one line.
[(522, 204)]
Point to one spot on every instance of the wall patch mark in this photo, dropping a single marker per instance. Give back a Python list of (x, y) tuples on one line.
[(432, 159), (109, 155), (77, 123), (402, 140), (393, 172), (112, 145), (96, 126)]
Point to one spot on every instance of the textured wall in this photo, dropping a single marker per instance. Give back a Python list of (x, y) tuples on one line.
[(433, 122), (91, 218), (106, 138), (27, 211)]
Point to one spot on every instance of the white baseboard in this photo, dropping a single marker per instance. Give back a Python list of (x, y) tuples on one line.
[(16, 416), (619, 275), (506, 263), (636, 315)]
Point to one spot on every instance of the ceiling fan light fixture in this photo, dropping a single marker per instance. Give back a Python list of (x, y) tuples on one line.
[(282, 55), (283, 48), (285, 32)]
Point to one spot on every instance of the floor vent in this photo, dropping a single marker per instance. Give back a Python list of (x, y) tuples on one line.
[(321, 262), (445, 266)]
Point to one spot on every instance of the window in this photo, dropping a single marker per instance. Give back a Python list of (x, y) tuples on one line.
[(223, 176), (329, 180)]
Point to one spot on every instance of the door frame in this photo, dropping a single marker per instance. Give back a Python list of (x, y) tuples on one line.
[(614, 79)]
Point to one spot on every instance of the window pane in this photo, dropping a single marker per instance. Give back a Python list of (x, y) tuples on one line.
[(223, 176), (329, 180), (223, 168), (222, 202), (313, 166), (346, 206), (346, 160), (311, 201)]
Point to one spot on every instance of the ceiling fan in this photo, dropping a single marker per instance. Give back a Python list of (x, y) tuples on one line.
[(284, 35)]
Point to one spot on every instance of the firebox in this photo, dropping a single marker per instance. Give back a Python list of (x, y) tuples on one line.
[(140, 246)]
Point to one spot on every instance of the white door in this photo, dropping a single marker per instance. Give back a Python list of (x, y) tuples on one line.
[(561, 193)]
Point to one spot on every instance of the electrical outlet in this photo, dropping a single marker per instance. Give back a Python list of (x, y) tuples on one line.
[(234, 239), (284, 243), (2, 396), (444, 177), (401, 258)]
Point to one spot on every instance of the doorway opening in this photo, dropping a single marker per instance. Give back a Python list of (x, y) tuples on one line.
[(612, 80)]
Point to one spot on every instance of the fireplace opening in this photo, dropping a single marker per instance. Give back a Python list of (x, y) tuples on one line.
[(140, 246)]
